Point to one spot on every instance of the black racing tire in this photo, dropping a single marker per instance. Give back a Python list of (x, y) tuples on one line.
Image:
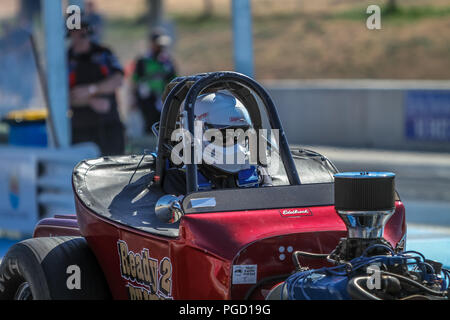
[(37, 269)]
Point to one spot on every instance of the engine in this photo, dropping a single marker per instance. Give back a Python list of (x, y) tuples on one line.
[(364, 265)]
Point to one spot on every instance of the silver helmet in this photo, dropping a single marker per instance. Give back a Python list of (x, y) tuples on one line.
[(222, 114)]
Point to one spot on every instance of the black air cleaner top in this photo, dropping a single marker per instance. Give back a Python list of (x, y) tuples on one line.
[(364, 191)]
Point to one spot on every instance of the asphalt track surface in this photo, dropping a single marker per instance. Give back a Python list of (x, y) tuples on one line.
[(423, 181)]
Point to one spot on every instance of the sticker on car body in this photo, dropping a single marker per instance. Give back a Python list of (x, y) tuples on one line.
[(147, 278), (300, 212), (245, 274)]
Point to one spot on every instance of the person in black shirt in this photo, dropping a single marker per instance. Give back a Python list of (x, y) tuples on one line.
[(94, 76)]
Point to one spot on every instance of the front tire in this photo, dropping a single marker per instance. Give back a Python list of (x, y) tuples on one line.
[(38, 269)]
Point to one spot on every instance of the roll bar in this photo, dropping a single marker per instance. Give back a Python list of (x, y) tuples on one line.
[(188, 89)]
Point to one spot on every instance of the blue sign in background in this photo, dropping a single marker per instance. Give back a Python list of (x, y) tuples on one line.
[(427, 115)]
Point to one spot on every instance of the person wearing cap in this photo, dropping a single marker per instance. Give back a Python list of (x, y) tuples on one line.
[(95, 74), (95, 20), (152, 73)]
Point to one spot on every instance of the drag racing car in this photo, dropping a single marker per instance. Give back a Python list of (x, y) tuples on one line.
[(310, 233)]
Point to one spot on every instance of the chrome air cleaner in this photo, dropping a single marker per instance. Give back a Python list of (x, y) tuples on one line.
[(365, 201)]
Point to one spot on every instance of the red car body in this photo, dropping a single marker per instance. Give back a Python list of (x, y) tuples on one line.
[(201, 258)]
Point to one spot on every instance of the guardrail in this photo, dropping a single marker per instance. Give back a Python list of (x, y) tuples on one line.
[(387, 114), (36, 183)]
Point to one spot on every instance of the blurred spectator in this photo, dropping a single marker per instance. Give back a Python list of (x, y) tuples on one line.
[(152, 73), (94, 76), (95, 21), (29, 9), (17, 62)]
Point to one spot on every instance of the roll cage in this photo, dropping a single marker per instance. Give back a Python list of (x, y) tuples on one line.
[(187, 89)]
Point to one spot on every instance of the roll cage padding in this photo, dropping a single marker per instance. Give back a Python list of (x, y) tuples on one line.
[(188, 89)]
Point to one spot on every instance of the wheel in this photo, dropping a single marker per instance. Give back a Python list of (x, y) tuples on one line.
[(60, 268)]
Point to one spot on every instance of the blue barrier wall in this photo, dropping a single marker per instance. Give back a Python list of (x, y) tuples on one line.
[(409, 115)]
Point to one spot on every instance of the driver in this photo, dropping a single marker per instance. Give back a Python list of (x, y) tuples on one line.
[(221, 111)]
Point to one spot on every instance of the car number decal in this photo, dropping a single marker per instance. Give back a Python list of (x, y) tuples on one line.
[(147, 278)]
